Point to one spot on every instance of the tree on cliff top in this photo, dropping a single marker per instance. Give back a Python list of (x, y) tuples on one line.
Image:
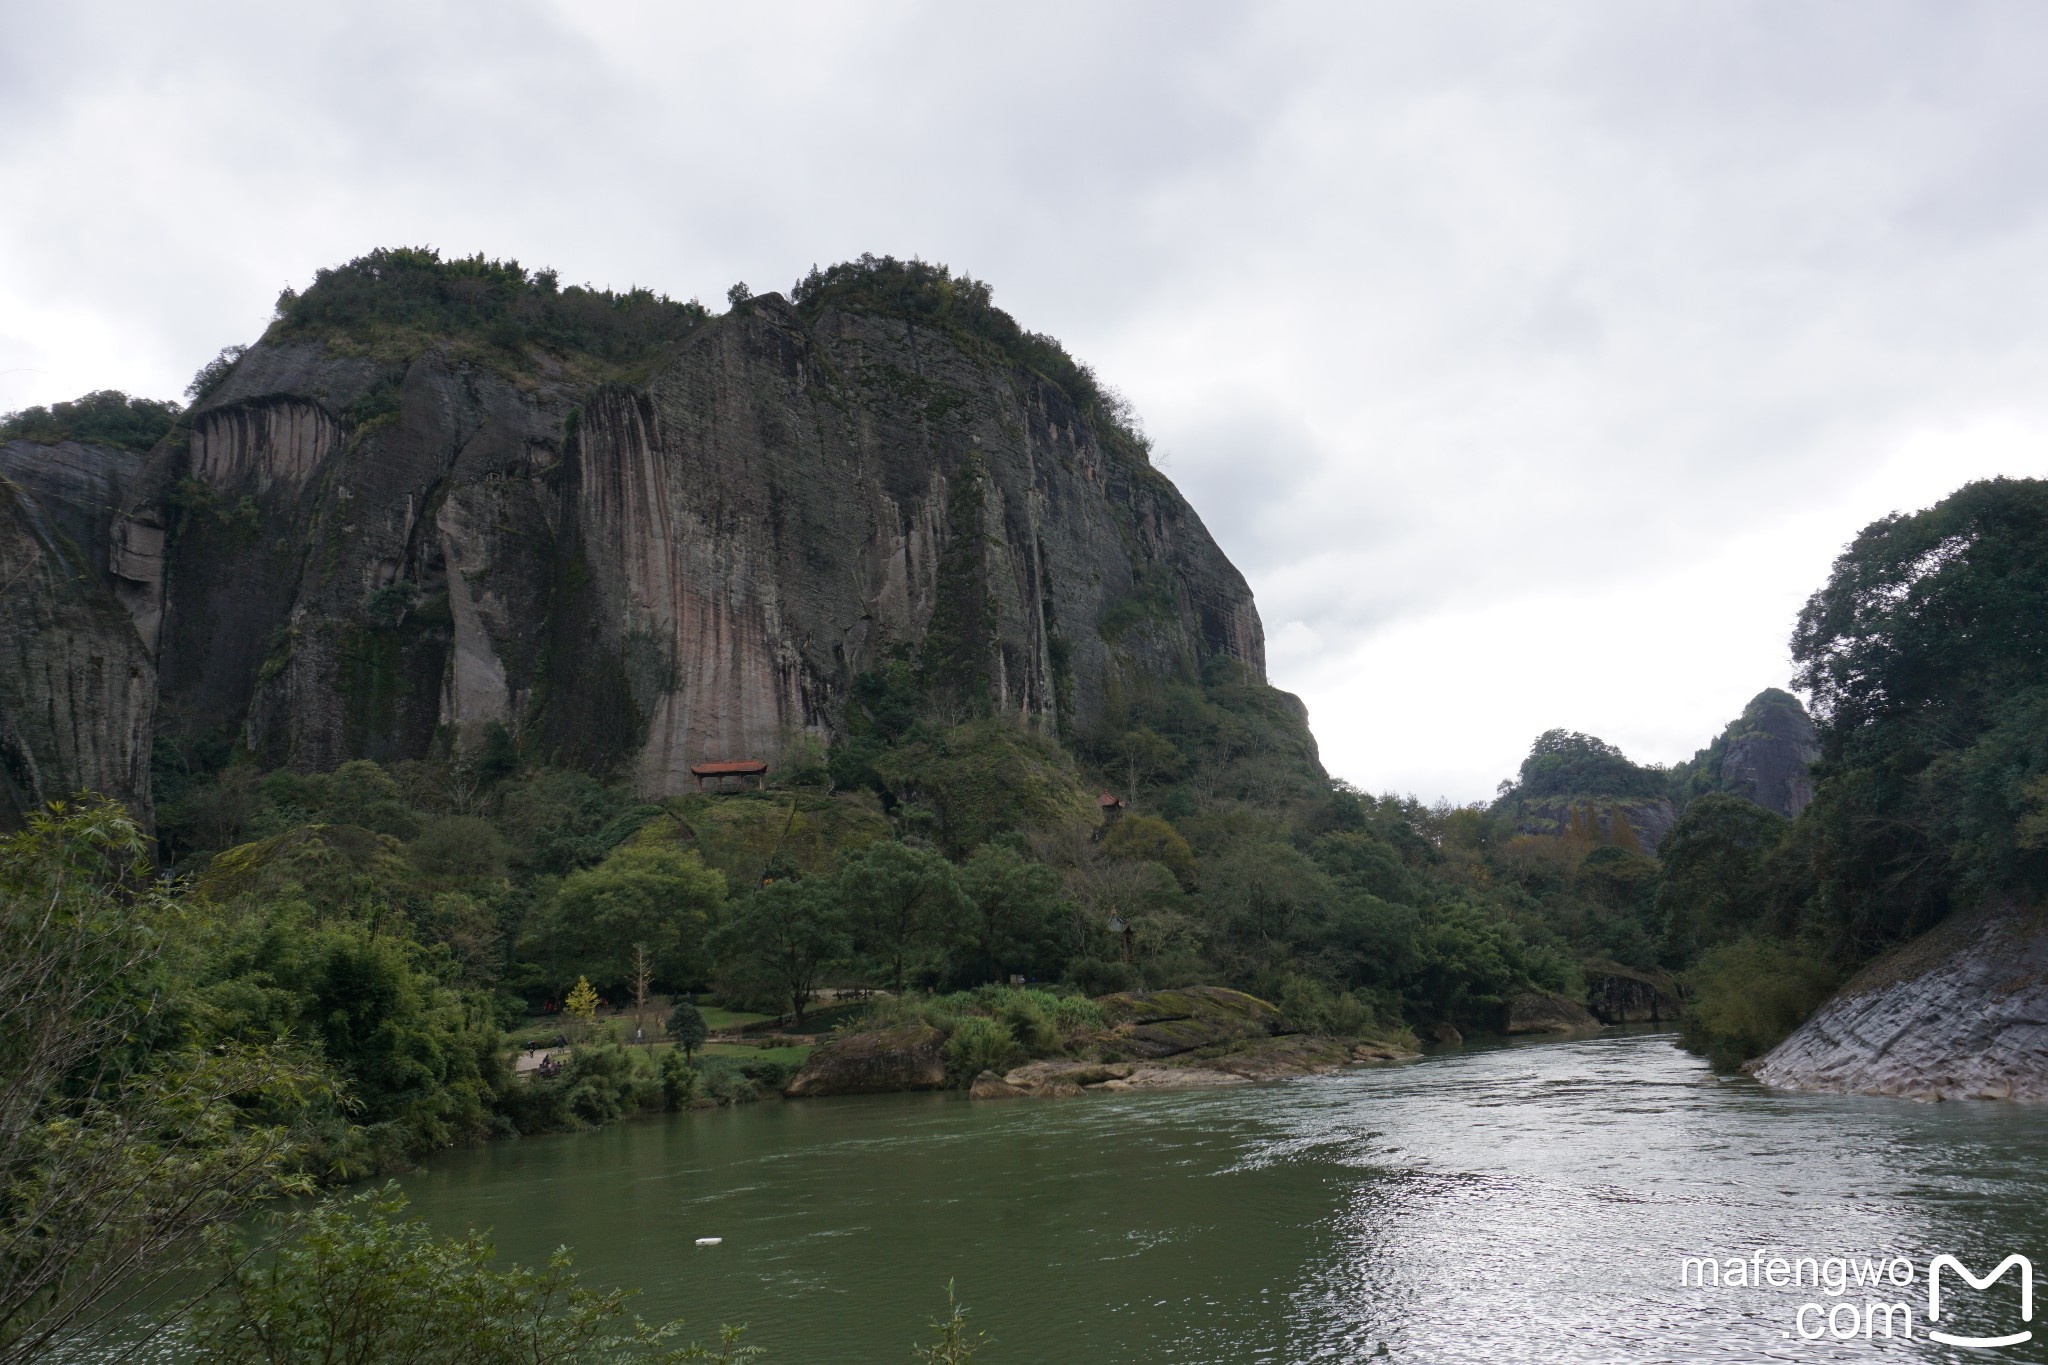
[(932, 294), (415, 289), (107, 417), (1567, 763)]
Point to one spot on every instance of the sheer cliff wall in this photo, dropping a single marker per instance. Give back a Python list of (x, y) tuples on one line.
[(371, 557)]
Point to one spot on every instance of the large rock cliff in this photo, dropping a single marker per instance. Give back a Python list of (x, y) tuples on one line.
[(1960, 1013), (1766, 755), (385, 544), (77, 685)]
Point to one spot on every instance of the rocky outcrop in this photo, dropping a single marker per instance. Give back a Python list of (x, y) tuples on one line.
[(77, 685), (908, 1058), (1155, 1024), (1546, 1012), (1624, 995), (1960, 1013), (1187, 1077), (1766, 755), (989, 1086), (373, 557), (1260, 1059)]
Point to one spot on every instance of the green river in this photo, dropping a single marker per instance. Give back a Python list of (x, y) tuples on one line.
[(1511, 1203)]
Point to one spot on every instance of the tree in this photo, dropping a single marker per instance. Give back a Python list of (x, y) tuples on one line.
[(1152, 840), (460, 851), (1144, 754), (1014, 900), (642, 976), (421, 1060), (108, 417), (119, 1142), (904, 903), (581, 1003), (686, 1026), (1567, 763), (782, 939), (1713, 888), (1264, 898), (653, 895), (1925, 655), (352, 1282)]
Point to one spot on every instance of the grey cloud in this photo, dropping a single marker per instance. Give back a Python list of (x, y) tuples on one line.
[(1437, 308)]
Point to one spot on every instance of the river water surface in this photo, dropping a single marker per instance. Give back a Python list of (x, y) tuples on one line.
[(1518, 1203)]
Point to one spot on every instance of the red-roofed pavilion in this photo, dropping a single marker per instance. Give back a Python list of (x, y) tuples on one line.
[(718, 769)]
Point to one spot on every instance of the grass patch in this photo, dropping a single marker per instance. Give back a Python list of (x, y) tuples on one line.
[(720, 1020), (795, 1055)]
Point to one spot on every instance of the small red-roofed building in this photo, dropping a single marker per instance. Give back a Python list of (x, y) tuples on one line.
[(717, 770)]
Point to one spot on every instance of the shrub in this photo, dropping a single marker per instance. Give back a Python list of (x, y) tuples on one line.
[(1076, 1015), (980, 1044), (1029, 1017), (722, 1080), (679, 1080), (1748, 995), (602, 1083), (1100, 976), (769, 1076)]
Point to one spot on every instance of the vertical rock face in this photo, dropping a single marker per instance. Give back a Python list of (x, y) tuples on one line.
[(1766, 755), (77, 687), (375, 558), (360, 557)]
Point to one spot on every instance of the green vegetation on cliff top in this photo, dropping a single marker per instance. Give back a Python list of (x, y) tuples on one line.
[(107, 417), (402, 296)]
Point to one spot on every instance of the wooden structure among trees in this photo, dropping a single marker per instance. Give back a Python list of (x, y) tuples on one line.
[(717, 770)]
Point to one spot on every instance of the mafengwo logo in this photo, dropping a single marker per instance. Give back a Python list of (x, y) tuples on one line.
[(1868, 1301), (2013, 1262)]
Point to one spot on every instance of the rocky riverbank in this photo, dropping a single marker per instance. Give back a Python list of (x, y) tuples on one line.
[(1152, 1040), (1960, 1013)]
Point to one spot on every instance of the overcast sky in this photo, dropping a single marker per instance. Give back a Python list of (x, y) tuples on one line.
[(1532, 360)]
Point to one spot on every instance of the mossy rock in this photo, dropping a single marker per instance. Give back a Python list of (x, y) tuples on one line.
[(1155, 1024), (750, 835), (1547, 1012), (912, 1057), (1629, 995)]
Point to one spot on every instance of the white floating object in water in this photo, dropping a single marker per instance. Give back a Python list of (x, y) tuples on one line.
[(709, 1241)]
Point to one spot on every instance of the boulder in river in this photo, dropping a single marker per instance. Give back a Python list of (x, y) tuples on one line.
[(909, 1058), (989, 1086), (1960, 1013), (1547, 1012)]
